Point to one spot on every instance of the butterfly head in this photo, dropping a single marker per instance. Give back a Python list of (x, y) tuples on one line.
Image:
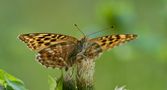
[(82, 42)]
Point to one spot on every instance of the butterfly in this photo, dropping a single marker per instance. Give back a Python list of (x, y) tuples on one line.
[(62, 51)]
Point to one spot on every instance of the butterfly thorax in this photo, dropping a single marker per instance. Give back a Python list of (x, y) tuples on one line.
[(87, 50), (79, 49)]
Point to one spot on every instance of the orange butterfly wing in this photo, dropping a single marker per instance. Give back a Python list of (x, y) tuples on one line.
[(110, 41), (100, 44), (39, 41)]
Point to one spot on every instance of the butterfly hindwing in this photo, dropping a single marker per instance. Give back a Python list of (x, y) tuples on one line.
[(39, 41), (93, 50), (56, 55)]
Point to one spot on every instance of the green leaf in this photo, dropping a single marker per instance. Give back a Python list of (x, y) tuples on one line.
[(60, 83), (52, 83), (55, 84), (10, 82), (9, 88), (3, 74), (16, 85)]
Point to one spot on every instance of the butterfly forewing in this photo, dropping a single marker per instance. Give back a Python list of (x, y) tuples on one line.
[(39, 41), (97, 45), (108, 42)]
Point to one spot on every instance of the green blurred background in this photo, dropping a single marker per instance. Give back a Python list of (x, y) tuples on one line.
[(139, 65)]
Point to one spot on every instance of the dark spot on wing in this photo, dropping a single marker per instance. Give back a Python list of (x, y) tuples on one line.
[(33, 44), (118, 36), (103, 44), (40, 42), (31, 41), (104, 40), (46, 38), (38, 39), (34, 47), (53, 40), (110, 42), (49, 56), (54, 36), (59, 36), (48, 43), (111, 39), (107, 36)]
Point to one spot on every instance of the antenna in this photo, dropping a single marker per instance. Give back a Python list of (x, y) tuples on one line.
[(79, 29), (111, 27)]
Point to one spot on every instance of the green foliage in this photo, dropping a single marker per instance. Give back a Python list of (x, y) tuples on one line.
[(55, 84), (9, 82), (60, 83), (52, 83)]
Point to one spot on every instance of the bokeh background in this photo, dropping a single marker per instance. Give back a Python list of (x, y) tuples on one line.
[(139, 65)]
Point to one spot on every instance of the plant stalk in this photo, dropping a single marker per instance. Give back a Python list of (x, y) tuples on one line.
[(80, 77)]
